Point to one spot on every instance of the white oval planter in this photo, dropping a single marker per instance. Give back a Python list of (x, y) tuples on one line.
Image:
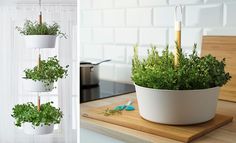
[(40, 41), (37, 130), (177, 107), (37, 86)]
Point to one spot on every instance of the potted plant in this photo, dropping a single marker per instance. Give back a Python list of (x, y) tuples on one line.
[(34, 121), (180, 94), (39, 35), (42, 77)]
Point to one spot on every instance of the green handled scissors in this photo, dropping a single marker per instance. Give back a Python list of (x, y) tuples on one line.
[(128, 106)]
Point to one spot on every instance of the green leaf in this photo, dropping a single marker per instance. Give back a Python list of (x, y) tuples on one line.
[(48, 72), (29, 113), (192, 72), (35, 28)]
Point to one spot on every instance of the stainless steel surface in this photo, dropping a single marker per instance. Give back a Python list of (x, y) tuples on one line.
[(89, 73), (102, 62)]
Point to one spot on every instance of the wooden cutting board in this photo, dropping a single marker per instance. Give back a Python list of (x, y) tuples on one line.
[(223, 47), (132, 119)]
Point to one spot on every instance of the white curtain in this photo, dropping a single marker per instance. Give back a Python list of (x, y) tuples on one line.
[(14, 58)]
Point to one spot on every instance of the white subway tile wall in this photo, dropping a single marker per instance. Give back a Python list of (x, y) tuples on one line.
[(163, 16), (125, 3), (114, 18), (126, 36), (103, 35), (110, 28), (139, 17)]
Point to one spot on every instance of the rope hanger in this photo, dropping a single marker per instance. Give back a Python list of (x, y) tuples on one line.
[(178, 10), (40, 12), (39, 56)]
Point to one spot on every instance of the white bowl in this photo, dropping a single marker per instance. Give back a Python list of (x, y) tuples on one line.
[(37, 86), (37, 130), (40, 41), (177, 107)]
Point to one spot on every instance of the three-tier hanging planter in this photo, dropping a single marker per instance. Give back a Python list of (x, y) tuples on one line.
[(181, 94), (40, 119), (40, 35)]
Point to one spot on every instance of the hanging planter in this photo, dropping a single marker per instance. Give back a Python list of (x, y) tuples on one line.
[(40, 35), (181, 94), (34, 121), (40, 41), (178, 107), (42, 77), (37, 86), (29, 128)]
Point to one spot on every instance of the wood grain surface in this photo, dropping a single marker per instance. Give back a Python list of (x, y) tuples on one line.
[(223, 47), (132, 119)]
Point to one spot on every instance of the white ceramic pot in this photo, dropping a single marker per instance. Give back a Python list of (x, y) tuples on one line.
[(37, 130), (177, 107), (40, 41), (37, 86)]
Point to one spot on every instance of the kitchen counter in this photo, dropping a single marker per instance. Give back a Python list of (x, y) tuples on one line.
[(225, 134)]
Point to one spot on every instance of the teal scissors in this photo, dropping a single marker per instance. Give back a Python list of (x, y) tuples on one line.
[(128, 106)]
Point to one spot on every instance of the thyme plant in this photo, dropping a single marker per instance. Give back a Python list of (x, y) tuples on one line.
[(192, 72)]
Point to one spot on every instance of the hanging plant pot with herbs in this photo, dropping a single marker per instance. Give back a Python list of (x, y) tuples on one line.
[(42, 77), (36, 122), (40, 35), (180, 94)]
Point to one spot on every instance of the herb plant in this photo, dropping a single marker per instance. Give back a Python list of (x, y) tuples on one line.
[(35, 28), (48, 71), (192, 72), (29, 113)]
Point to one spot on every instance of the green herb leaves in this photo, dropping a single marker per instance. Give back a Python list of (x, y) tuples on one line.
[(29, 113), (192, 72), (48, 72), (35, 28), (109, 112)]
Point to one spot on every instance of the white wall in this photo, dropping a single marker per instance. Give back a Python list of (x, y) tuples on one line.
[(110, 28)]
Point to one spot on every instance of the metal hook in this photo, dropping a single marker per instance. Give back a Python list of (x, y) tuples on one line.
[(176, 11), (40, 2)]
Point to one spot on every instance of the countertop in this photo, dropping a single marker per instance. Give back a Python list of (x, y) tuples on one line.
[(225, 134)]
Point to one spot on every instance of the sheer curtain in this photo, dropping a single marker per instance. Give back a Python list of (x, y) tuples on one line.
[(14, 58)]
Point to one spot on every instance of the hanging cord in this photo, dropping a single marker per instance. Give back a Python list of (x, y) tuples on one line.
[(39, 61), (180, 8), (178, 20), (39, 58), (40, 12), (39, 55), (38, 102)]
